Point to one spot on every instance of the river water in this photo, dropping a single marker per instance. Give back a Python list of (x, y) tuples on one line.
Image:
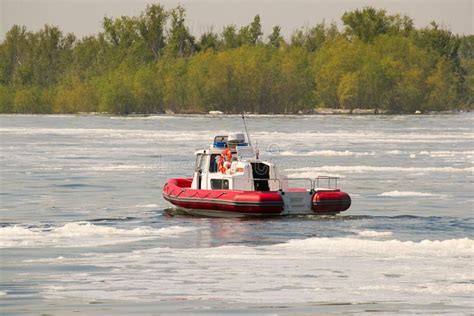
[(84, 228)]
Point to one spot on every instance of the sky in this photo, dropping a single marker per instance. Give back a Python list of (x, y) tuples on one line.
[(85, 17)]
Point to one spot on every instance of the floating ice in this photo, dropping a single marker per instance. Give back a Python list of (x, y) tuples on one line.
[(373, 233), (81, 234), (328, 153), (407, 193), (356, 169), (296, 272), (391, 248), (147, 205)]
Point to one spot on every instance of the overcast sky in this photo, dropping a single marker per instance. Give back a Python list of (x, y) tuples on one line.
[(85, 17)]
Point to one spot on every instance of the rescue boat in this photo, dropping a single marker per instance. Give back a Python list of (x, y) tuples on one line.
[(230, 180)]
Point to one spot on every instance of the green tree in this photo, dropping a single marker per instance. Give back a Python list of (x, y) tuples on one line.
[(349, 90), (466, 55), (15, 52), (73, 96), (181, 42), (275, 39), (7, 95), (255, 30), (368, 23), (30, 100), (121, 32), (209, 40), (90, 57), (312, 39), (440, 41), (175, 84), (442, 85), (293, 86), (250, 34), (115, 91), (333, 61), (147, 90), (52, 52), (466, 47), (151, 26), (230, 37)]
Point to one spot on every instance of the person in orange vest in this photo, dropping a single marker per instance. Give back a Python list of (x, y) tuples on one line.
[(225, 160)]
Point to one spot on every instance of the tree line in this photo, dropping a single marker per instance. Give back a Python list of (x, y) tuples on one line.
[(151, 63)]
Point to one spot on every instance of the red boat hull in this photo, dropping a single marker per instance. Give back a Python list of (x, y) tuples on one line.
[(330, 202), (179, 193), (244, 203)]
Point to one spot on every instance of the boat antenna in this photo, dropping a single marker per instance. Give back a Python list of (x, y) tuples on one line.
[(246, 130)]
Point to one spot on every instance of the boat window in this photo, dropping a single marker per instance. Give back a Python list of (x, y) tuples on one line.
[(219, 184), (220, 139), (213, 164)]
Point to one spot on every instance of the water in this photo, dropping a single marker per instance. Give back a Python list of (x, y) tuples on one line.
[(85, 229)]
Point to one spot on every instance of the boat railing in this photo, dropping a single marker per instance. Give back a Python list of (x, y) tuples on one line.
[(311, 183), (326, 182), (331, 182)]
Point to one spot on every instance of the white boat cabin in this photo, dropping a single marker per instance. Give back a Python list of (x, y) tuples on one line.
[(243, 170)]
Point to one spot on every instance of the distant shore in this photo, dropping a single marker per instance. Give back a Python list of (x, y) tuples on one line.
[(151, 63), (317, 111)]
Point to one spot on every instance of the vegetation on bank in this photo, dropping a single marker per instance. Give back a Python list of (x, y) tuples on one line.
[(152, 63)]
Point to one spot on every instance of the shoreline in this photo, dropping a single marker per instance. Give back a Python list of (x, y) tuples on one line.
[(316, 112)]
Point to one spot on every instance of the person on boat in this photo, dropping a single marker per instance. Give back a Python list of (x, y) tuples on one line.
[(225, 161)]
